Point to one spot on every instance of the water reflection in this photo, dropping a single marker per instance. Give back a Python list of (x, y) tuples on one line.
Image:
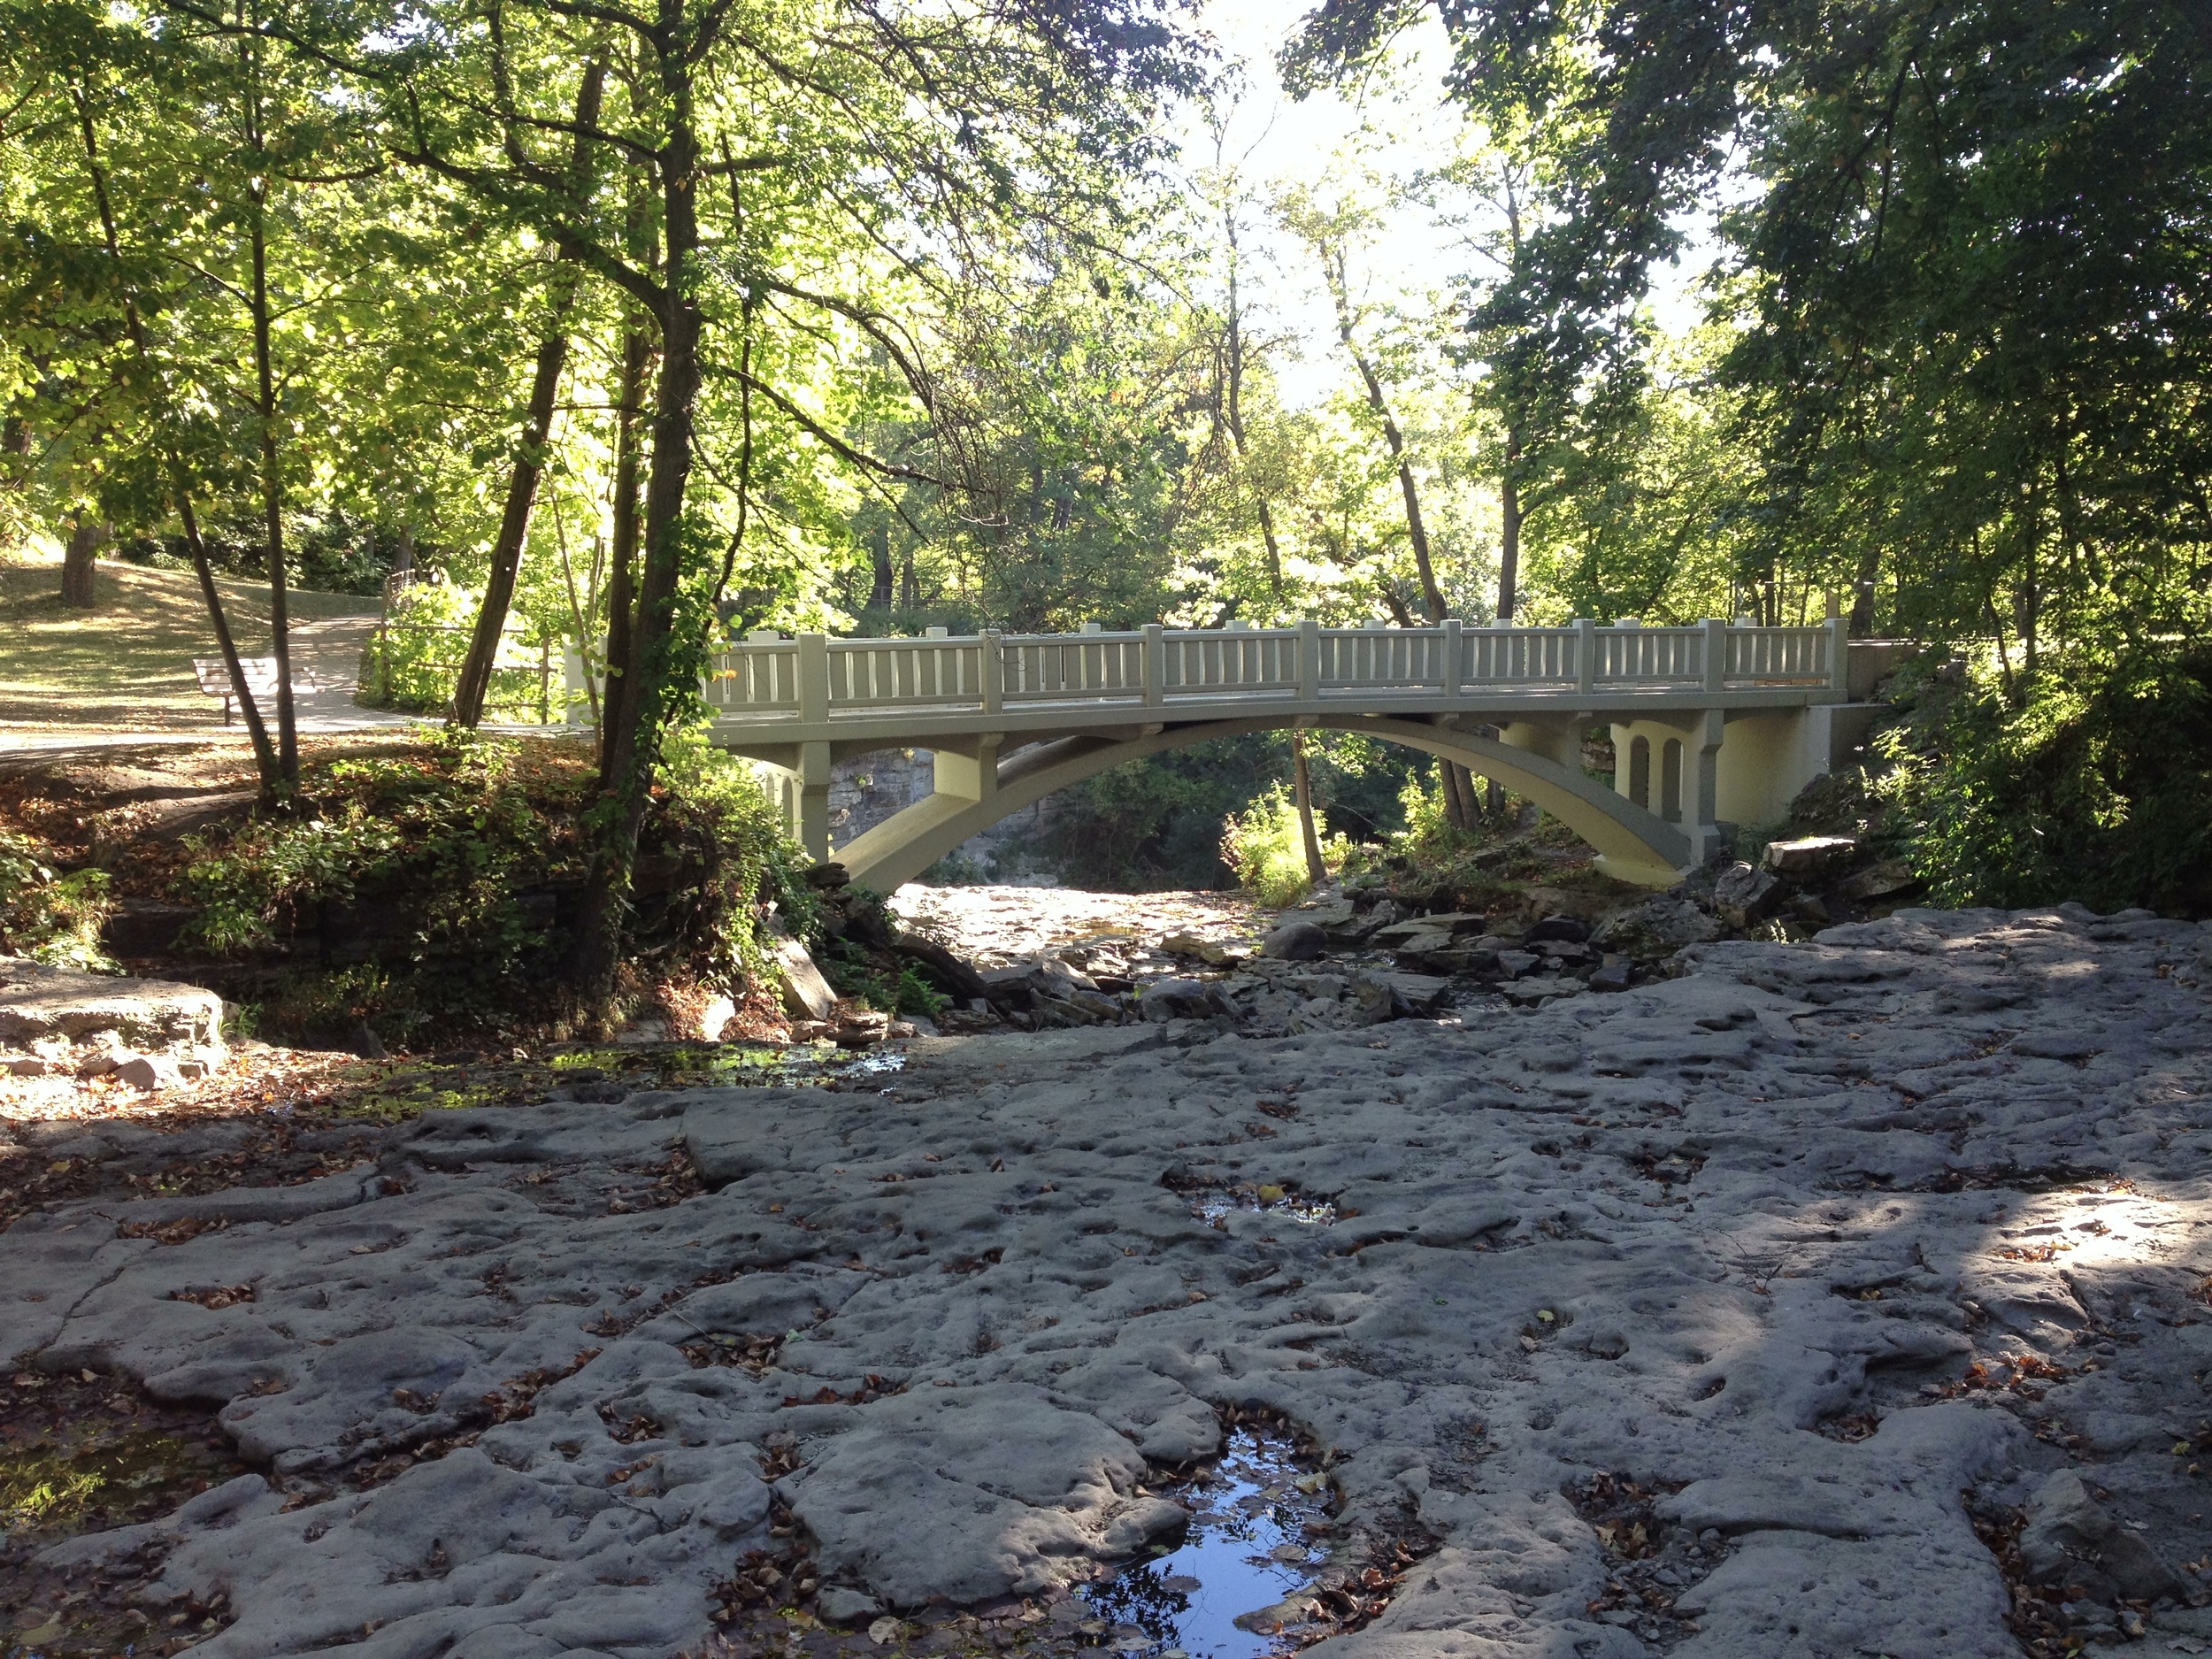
[(1270, 1200), (1249, 1547)]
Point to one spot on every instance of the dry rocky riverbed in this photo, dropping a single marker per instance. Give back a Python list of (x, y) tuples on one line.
[(1838, 1298)]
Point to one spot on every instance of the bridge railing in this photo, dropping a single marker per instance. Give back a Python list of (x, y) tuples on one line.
[(816, 678)]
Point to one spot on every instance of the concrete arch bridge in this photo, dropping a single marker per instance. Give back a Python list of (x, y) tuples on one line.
[(1714, 725)]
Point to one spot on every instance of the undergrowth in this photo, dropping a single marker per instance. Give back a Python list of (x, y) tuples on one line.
[(435, 890), (47, 915), (2092, 781)]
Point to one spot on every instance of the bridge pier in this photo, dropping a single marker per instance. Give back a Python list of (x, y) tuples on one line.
[(802, 791)]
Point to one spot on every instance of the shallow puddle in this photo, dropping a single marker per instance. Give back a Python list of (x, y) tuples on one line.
[(730, 1065), (1250, 1546), (1267, 1201)]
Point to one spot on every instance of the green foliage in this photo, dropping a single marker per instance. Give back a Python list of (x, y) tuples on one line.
[(447, 839), (2099, 789), (414, 661), (47, 915), (1156, 822), (444, 873), (1266, 847), (851, 977), (711, 803)]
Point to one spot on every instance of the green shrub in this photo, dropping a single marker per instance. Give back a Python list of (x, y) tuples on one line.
[(443, 841), (1265, 845), (414, 661), (450, 871), (47, 915), (2095, 786)]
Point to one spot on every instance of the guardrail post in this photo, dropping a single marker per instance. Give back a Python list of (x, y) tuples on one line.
[(1154, 665), (993, 673), (1309, 659), (1715, 654), (1451, 657), (1585, 654), (814, 688), (1840, 656)]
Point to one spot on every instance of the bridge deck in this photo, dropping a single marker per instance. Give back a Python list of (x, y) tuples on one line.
[(772, 690)]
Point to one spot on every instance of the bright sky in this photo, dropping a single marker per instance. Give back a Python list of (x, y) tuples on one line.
[(1286, 144), (1282, 143)]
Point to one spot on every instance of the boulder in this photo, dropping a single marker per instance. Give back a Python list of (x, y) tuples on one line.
[(1176, 999), (2070, 1538), (1296, 941), (1615, 977), (718, 1012), (150, 1071), (1333, 913), (839, 1605), (1883, 880), (1451, 924), (39, 1002), (1745, 895), (1809, 855), (1413, 995), (1567, 929), (1657, 926), (806, 993)]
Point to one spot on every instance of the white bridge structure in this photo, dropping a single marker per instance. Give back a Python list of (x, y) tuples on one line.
[(1713, 725)]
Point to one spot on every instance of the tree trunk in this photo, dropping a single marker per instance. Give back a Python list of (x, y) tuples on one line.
[(537, 429), (271, 486), (637, 352), (474, 685), (1302, 786), (87, 537), (1458, 790), (633, 738), (880, 556), (1417, 529), (257, 732)]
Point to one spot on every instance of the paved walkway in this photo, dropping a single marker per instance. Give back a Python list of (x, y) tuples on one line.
[(327, 653)]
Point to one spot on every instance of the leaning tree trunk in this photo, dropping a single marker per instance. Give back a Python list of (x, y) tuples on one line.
[(475, 683), (272, 484), (537, 428), (241, 693), (1509, 558), (1459, 789)]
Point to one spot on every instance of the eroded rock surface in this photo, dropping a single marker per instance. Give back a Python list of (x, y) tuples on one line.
[(1781, 1256)]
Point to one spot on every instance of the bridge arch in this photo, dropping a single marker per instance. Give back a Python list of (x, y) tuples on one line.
[(1633, 843)]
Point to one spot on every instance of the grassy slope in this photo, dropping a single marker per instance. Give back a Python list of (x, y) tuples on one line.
[(129, 661)]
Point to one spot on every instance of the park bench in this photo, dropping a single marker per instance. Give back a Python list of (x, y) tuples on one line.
[(260, 678)]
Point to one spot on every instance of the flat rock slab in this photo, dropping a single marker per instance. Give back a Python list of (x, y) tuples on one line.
[(1798, 1246), (39, 1002)]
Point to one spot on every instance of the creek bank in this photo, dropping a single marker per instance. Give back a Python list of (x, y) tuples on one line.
[(1792, 1249)]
